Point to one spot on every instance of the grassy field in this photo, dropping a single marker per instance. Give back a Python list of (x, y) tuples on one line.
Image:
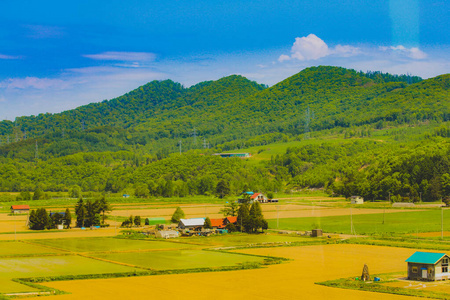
[(243, 239), (110, 244), (102, 255), (50, 266), (183, 259), (398, 223), (12, 248)]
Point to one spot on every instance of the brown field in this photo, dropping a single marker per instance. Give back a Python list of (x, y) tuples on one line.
[(431, 234), (73, 233), (292, 280), (269, 211)]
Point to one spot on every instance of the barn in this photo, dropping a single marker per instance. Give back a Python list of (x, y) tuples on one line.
[(155, 221), (20, 209), (428, 266), (194, 223)]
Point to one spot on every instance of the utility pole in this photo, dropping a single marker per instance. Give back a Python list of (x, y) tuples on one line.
[(442, 223)]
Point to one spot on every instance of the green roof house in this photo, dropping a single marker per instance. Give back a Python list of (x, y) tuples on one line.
[(428, 266)]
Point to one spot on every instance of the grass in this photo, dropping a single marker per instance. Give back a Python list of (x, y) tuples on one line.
[(381, 287), (242, 239), (50, 265), (12, 248), (395, 223), (101, 244), (183, 259)]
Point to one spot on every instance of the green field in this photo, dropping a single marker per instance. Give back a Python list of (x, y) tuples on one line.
[(8, 248), (242, 239), (110, 244), (398, 223), (24, 267), (183, 259)]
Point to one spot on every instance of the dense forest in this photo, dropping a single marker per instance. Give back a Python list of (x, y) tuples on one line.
[(132, 143)]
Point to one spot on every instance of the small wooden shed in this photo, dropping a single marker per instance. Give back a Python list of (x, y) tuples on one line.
[(428, 266), (316, 232)]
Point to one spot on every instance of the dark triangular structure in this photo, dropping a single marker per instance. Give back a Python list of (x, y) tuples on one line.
[(365, 273)]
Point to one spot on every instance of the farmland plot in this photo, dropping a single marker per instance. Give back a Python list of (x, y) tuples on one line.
[(293, 280), (110, 244)]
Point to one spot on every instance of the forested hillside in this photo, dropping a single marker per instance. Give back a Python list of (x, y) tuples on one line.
[(337, 115)]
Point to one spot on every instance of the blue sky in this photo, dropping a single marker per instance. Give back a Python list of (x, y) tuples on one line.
[(58, 55)]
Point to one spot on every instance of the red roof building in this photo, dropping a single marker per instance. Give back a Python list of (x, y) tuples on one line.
[(232, 220), (217, 223), (17, 209), (259, 197)]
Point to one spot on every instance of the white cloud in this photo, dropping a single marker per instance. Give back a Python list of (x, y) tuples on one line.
[(3, 56), (32, 82), (414, 52), (346, 50), (284, 57), (122, 56), (312, 47)]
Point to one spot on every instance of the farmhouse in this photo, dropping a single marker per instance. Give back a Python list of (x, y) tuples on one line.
[(260, 197), (20, 209), (195, 223), (217, 223), (221, 223), (428, 266), (357, 199)]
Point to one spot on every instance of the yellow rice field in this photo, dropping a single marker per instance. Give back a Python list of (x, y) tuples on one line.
[(292, 280)]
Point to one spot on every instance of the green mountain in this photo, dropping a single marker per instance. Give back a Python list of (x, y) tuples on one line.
[(126, 142)]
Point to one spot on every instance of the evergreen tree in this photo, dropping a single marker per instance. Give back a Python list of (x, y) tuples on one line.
[(67, 219), (243, 218), (32, 220), (103, 207), (80, 211), (39, 219), (92, 213), (177, 215), (256, 217)]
